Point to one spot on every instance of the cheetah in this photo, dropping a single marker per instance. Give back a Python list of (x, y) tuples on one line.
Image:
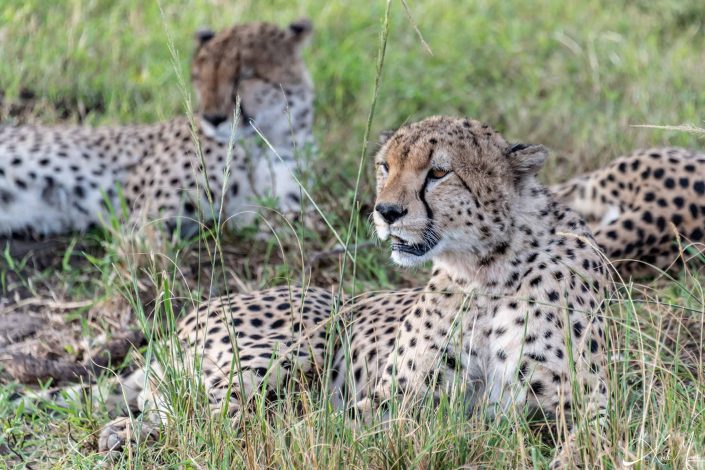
[(630, 204), (512, 314), (58, 179)]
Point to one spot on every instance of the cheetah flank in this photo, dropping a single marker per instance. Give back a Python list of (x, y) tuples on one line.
[(630, 204)]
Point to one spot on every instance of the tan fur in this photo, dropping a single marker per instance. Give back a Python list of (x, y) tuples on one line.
[(631, 203)]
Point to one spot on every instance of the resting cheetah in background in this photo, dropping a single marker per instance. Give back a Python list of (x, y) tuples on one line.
[(630, 203), (515, 295), (53, 179)]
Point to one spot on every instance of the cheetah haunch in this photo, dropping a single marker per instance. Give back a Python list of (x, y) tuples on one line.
[(511, 315), (55, 179), (631, 203)]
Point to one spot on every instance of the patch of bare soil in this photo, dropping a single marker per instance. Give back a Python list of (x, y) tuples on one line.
[(44, 334)]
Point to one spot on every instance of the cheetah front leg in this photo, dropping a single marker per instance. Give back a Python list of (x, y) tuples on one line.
[(137, 392), (424, 363), (281, 177), (561, 381), (262, 365)]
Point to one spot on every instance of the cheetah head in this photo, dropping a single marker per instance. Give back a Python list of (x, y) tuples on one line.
[(449, 188), (262, 64)]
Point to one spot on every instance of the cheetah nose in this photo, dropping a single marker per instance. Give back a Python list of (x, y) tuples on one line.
[(390, 212), (215, 119)]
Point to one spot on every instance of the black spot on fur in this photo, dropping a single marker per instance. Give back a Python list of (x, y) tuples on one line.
[(593, 346), (536, 387), (578, 329), (6, 197)]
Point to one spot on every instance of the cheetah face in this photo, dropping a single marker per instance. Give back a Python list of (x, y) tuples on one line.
[(261, 64), (446, 187)]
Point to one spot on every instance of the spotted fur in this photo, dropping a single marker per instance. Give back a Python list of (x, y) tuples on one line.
[(631, 203), (517, 287), (57, 179), (511, 315)]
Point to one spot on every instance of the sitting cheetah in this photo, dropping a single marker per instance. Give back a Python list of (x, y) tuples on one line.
[(630, 204), (512, 310), (56, 179)]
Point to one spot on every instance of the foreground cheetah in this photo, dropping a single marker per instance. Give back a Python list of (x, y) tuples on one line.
[(57, 179), (630, 204), (511, 315)]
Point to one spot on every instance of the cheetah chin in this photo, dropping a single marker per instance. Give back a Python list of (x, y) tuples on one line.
[(226, 131), (408, 254)]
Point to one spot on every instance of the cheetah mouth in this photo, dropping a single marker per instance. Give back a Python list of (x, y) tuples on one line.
[(416, 249)]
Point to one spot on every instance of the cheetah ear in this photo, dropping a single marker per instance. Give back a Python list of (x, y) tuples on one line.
[(526, 160), (204, 35), (384, 136), (301, 30)]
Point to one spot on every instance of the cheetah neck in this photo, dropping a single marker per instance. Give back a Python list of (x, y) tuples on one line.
[(274, 131), (533, 224)]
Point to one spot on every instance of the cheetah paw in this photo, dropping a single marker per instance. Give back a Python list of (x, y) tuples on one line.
[(114, 435), (368, 412), (119, 431)]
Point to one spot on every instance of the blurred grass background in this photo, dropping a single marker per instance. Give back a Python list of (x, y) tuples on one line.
[(573, 75)]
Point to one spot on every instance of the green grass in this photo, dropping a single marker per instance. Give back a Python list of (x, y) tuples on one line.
[(573, 75)]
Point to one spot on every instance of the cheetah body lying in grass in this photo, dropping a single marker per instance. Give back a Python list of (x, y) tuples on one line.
[(57, 179), (630, 204), (510, 317)]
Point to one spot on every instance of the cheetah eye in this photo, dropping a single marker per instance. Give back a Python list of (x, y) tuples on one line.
[(437, 173), (384, 166)]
